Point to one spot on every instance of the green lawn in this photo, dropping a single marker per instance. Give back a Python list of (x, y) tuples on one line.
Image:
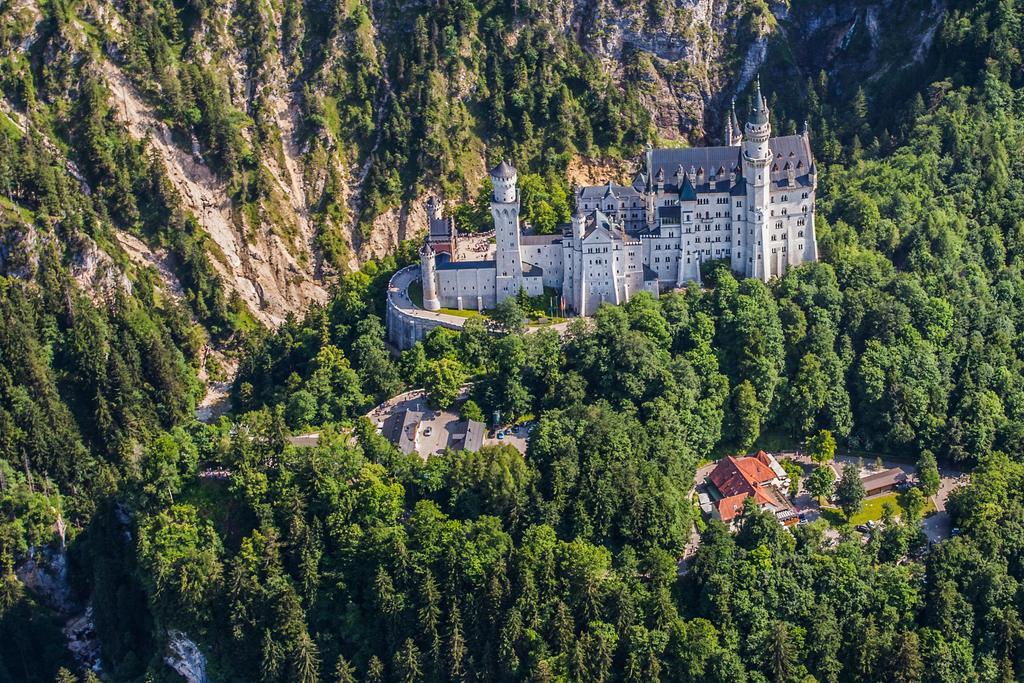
[(416, 296), (871, 510)]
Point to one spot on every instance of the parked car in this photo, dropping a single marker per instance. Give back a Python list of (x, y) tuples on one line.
[(863, 528), (501, 435), (428, 431)]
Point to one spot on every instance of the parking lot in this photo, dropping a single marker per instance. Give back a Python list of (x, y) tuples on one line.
[(517, 437)]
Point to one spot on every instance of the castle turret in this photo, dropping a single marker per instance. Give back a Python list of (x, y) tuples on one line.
[(736, 132), (505, 212), (428, 278)]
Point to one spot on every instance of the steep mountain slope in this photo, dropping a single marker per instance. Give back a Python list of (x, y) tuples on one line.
[(302, 136)]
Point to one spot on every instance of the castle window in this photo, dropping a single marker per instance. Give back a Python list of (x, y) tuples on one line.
[(800, 233)]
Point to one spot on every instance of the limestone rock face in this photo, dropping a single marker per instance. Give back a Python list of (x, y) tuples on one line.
[(44, 571), (184, 657)]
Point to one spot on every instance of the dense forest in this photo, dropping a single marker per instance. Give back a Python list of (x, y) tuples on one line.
[(349, 561)]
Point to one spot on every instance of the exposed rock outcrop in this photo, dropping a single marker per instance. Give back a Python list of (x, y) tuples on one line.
[(185, 658), (253, 259)]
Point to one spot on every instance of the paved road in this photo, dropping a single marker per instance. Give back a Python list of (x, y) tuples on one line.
[(398, 292)]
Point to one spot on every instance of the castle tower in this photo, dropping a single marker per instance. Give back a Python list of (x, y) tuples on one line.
[(505, 212), (441, 234), (757, 159), (428, 278)]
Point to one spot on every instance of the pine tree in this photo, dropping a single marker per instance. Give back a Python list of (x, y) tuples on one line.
[(305, 659), (407, 663), (430, 616), (272, 657), (65, 676), (456, 644), (782, 658), (375, 670), (343, 671), (906, 665)]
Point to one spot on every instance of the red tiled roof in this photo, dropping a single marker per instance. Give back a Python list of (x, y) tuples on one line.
[(738, 478), (729, 508), (741, 475)]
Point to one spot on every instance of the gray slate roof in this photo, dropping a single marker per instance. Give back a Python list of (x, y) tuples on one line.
[(465, 265), (599, 191), (401, 429), (535, 240), (759, 112), (504, 170), (787, 148), (670, 212), (598, 220), (474, 435)]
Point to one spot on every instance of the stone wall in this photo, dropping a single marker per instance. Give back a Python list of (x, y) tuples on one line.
[(407, 324)]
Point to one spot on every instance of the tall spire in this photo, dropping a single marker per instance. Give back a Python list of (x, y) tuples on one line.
[(759, 112), (735, 136)]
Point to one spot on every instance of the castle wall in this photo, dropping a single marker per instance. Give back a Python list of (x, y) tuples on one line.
[(407, 325), (548, 257), (467, 288)]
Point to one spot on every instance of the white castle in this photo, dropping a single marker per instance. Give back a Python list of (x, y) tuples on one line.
[(751, 202)]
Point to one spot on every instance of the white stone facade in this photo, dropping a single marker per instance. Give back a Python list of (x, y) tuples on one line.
[(750, 203)]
